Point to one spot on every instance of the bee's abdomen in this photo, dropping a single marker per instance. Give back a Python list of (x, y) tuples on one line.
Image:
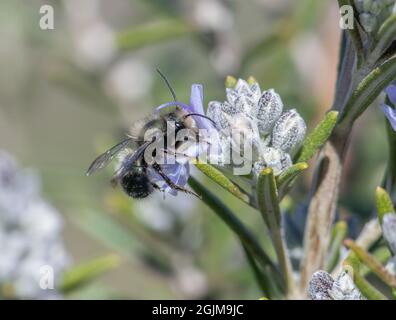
[(136, 184)]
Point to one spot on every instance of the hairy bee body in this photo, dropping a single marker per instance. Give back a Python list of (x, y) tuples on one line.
[(132, 173), (136, 183)]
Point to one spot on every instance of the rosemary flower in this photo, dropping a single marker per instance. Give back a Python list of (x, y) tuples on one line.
[(30, 235), (273, 135)]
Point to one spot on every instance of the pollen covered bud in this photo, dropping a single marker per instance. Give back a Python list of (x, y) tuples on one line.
[(269, 109), (389, 230), (274, 158), (320, 285), (216, 111), (289, 131), (344, 288)]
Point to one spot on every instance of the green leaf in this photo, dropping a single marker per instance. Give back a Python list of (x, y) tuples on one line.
[(117, 236), (318, 137), (371, 262), (140, 36), (339, 233), (384, 203), (232, 221), (366, 92), (83, 273), (267, 195), (287, 177), (386, 35), (262, 278), (352, 265), (366, 288), (218, 177), (382, 254), (103, 228)]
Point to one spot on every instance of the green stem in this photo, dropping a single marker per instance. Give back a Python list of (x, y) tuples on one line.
[(244, 234), (339, 233), (262, 278), (267, 196)]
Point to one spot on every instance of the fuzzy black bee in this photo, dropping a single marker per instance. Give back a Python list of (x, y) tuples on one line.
[(139, 177)]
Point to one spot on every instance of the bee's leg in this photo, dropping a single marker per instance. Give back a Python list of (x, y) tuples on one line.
[(176, 153), (171, 184)]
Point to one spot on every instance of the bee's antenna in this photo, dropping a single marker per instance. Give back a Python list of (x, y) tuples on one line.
[(167, 84), (202, 116)]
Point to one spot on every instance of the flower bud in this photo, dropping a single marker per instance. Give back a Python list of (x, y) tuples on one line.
[(216, 113), (230, 82), (289, 131), (244, 96), (344, 288), (389, 230), (275, 159), (269, 109), (320, 285)]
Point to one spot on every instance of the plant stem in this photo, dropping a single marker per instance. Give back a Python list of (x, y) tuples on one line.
[(262, 278), (244, 234), (267, 196)]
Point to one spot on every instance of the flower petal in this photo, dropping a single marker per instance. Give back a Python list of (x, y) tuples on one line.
[(196, 98), (196, 102), (391, 92), (177, 173), (390, 113)]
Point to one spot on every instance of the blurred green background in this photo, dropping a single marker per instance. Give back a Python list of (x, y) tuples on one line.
[(70, 93)]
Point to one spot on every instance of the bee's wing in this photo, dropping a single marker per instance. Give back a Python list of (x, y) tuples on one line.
[(101, 161), (130, 160)]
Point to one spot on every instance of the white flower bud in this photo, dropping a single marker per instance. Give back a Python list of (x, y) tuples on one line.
[(344, 288), (289, 131), (245, 137), (242, 87), (216, 113), (389, 230), (269, 109), (320, 285), (274, 158)]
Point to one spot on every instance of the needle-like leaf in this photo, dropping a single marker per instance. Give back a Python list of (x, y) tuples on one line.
[(372, 263), (384, 203), (317, 137)]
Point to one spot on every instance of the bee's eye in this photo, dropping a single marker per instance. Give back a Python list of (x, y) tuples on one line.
[(179, 125)]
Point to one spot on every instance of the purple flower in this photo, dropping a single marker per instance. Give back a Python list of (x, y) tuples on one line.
[(179, 173), (390, 112)]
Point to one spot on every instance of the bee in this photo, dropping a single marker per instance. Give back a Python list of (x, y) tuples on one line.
[(138, 177)]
